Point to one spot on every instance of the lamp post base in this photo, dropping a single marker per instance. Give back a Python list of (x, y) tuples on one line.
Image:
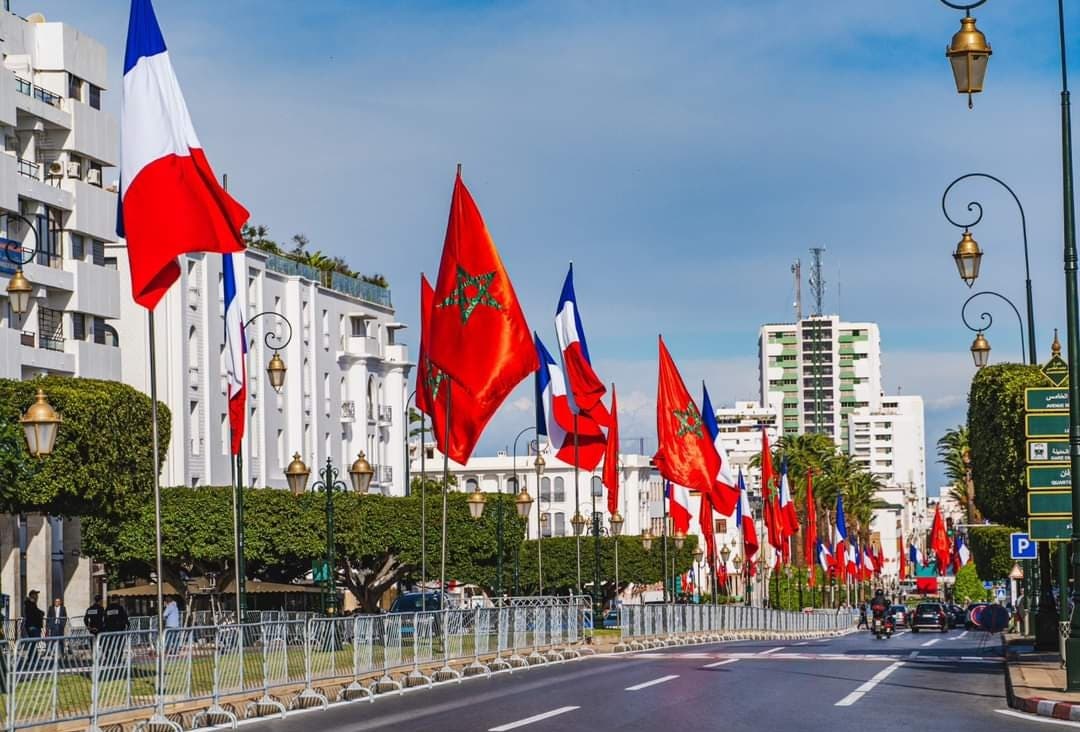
[(1046, 630), (1072, 668)]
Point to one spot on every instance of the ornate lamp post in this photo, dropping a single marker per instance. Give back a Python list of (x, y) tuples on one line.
[(646, 540), (518, 506), (539, 465), (724, 554), (698, 554), (40, 424), (360, 474), (19, 289)]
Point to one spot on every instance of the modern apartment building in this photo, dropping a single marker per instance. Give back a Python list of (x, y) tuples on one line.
[(818, 371), (345, 387), (890, 442), (57, 216)]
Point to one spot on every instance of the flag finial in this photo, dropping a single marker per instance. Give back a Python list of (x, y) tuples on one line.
[(459, 170), (1055, 347)]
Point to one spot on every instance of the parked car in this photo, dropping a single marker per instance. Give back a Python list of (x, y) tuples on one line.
[(414, 602), (957, 616), (931, 616), (899, 614), (971, 612)]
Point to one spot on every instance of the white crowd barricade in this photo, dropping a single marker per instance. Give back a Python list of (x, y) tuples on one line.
[(454, 631), (519, 641), (388, 643), (47, 680), (503, 621), (228, 674), (124, 673)]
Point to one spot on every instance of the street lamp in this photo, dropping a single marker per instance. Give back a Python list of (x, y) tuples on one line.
[(523, 504), (297, 474), (980, 347), (980, 350), (724, 554), (679, 538), (19, 288), (968, 53), (541, 518), (40, 424), (616, 522), (518, 507), (646, 540), (275, 370), (578, 523), (737, 562), (476, 503), (968, 256)]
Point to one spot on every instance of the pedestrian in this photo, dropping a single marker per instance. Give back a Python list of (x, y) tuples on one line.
[(116, 617), (56, 623), (33, 621), (862, 618), (94, 617), (171, 616)]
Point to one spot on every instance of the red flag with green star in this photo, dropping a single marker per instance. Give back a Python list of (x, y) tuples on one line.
[(478, 334), (686, 453)]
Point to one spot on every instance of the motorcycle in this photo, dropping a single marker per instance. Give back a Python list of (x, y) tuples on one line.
[(882, 627)]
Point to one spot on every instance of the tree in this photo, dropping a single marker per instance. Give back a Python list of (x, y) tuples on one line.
[(998, 442), (969, 587), (102, 459), (990, 550), (954, 454), (258, 237)]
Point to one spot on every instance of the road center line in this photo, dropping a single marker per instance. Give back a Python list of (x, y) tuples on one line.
[(854, 696), (913, 654), (804, 643), (961, 635), (771, 650), (931, 642), (720, 663), (530, 720), (654, 682)]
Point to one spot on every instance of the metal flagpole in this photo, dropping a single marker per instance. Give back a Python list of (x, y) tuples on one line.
[(667, 487), (577, 504), (236, 543), (423, 515), (445, 489)]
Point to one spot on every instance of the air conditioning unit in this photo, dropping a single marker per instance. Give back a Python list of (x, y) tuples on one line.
[(74, 170), (93, 176), (56, 169)]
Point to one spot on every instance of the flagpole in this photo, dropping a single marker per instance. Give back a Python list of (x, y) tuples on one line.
[(445, 487), (236, 534), (666, 499), (577, 504), (423, 515), (157, 516)]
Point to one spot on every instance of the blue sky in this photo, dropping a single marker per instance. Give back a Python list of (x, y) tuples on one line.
[(682, 155)]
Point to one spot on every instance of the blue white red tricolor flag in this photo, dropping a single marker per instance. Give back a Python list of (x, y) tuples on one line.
[(555, 420), (585, 388), (679, 506), (170, 200), (915, 556), (708, 415), (789, 519), (824, 556), (745, 519), (235, 353), (840, 539)]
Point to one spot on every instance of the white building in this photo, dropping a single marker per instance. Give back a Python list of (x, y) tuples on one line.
[(345, 388), (818, 371), (890, 442), (740, 427), (54, 144)]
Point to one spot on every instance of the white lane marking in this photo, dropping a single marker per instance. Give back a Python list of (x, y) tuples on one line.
[(720, 663), (654, 682), (771, 650), (854, 696), (1037, 718), (913, 654), (804, 643), (961, 635), (530, 720), (931, 642)]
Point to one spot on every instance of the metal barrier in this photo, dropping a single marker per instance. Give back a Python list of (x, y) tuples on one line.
[(643, 626)]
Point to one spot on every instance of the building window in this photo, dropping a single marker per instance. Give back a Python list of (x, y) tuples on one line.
[(95, 96), (326, 330), (78, 247), (326, 392), (193, 410), (97, 252), (471, 485), (281, 447), (560, 524), (358, 326), (721, 526), (253, 444), (545, 493), (50, 328), (78, 326), (560, 491)]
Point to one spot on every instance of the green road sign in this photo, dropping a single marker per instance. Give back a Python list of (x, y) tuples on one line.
[(1048, 451), (1049, 424), (1050, 529), (1043, 399), (1050, 503), (320, 570), (1041, 477), (1057, 370)]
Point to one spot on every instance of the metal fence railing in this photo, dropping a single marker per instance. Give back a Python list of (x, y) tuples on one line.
[(643, 626)]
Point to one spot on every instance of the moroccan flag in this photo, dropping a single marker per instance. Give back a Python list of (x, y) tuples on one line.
[(705, 520), (771, 510), (478, 333), (611, 458), (939, 542), (810, 537), (431, 394), (686, 456), (902, 556)]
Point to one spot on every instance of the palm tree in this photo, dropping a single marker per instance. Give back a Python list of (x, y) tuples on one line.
[(954, 453)]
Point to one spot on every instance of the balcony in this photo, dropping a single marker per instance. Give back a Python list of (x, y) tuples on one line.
[(41, 103), (352, 286), (29, 169), (384, 474), (386, 414), (348, 412)]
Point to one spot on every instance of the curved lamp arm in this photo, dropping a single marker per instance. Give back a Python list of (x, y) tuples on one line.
[(988, 319), (273, 340), (976, 207), (966, 7), (13, 249)]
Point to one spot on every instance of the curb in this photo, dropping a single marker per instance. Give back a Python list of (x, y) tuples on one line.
[(1047, 708)]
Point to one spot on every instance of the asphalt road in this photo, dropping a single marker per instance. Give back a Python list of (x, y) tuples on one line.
[(921, 682)]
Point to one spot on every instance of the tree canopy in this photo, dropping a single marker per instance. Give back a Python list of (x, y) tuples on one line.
[(102, 460)]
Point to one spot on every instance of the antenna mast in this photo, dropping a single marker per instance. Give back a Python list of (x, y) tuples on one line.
[(817, 280), (817, 290), (796, 271)]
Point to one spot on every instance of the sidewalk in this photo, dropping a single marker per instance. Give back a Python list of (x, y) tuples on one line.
[(1034, 681)]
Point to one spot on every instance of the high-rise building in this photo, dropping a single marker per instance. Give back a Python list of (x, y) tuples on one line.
[(55, 142), (819, 370), (345, 387), (890, 442)]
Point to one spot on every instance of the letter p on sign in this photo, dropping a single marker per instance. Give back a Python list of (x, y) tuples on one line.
[(1023, 547)]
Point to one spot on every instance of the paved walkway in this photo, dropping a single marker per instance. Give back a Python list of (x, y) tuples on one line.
[(1037, 681)]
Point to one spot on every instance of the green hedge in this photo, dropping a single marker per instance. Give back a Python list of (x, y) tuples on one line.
[(990, 550)]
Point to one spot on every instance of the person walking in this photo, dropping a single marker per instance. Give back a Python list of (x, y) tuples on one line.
[(56, 623), (863, 623), (94, 617), (171, 616), (33, 621), (116, 617)]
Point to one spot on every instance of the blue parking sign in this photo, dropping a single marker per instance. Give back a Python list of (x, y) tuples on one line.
[(1023, 547)]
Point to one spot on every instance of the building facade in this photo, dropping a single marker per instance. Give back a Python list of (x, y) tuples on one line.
[(57, 213), (819, 370), (345, 386), (890, 442)]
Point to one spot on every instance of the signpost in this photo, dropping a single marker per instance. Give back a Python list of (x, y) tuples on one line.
[(1022, 547), (1049, 477)]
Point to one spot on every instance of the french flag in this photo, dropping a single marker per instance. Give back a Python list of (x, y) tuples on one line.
[(744, 517), (840, 539), (824, 557), (235, 353), (915, 556), (553, 414), (586, 389), (725, 479), (788, 518), (679, 507), (170, 200)]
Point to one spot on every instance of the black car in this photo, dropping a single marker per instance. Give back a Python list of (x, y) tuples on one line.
[(414, 602), (971, 611), (957, 616), (931, 616)]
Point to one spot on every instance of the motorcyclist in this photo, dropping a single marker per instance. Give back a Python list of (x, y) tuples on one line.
[(879, 606)]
